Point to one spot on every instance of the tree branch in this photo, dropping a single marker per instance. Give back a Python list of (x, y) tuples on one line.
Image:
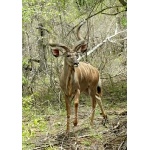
[(114, 13), (102, 11), (100, 44), (123, 2), (90, 16), (40, 27)]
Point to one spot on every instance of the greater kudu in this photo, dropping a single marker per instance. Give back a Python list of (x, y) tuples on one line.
[(78, 77)]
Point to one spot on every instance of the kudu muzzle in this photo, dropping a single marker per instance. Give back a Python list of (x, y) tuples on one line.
[(75, 62)]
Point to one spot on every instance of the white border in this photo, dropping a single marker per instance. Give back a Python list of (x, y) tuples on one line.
[(138, 75), (10, 75), (138, 84)]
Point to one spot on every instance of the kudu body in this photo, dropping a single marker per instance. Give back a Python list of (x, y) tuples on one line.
[(78, 77)]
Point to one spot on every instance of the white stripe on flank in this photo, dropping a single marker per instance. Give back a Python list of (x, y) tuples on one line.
[(80, 72), (84, 69)]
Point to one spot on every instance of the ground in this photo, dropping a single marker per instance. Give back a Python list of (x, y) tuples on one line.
[(47, 131)]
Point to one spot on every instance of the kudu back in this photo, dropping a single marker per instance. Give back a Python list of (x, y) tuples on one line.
[(78, 77)]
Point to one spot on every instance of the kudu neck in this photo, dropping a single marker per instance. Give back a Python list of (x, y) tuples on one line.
[(67, 68), (69, 76)]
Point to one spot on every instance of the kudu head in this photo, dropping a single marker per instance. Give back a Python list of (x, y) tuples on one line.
[(70, 54)]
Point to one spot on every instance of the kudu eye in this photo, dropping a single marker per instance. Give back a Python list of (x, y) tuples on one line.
[(77, 55), (68, 55)]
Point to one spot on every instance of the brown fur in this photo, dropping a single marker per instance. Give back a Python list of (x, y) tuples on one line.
[(73, 81), (78, 77)]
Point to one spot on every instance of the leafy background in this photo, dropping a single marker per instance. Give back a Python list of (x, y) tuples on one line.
[(44, 115)]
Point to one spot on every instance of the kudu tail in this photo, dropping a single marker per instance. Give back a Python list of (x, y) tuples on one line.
[(99, 101), (99, 88)]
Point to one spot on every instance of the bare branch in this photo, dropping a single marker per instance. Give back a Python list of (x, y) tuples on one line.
[(101, 11), (100, 44), (90, 16), (114, 13), (123, 2), (40, 27)]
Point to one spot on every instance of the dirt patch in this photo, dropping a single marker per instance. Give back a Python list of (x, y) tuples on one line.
[(112, 136)]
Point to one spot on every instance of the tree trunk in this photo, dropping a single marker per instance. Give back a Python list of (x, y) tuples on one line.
[(42, 49)]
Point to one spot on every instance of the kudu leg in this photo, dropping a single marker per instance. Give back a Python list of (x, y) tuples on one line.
[(67, 100), (93, 108), (76, 103), (99, 101)]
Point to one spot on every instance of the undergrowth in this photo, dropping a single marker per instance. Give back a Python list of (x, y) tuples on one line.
[(47, 118)]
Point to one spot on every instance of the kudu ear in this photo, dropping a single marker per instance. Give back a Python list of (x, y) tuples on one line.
[(81, 46), (57, 49), (55, 52), (84, 48)]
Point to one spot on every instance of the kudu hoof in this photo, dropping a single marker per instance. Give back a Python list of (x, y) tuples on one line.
[(105, 120), (75, 123)]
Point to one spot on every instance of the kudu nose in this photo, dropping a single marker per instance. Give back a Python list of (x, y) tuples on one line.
[(76, 62)]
